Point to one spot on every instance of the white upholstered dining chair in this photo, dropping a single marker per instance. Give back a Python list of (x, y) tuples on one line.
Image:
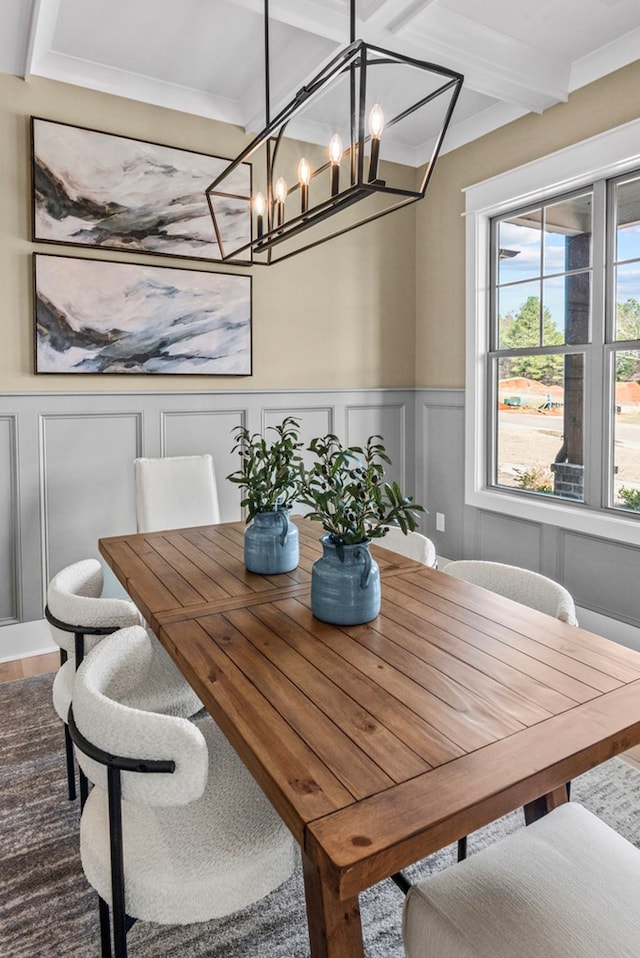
[(413, 545), (522, 585), (79, 617), (187, 840), (566, 886), (174, 492)]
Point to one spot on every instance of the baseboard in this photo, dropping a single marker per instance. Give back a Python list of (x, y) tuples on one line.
[(25, 639)]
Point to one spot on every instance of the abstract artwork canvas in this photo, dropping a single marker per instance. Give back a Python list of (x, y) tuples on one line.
[(94, 316), (113, 192)]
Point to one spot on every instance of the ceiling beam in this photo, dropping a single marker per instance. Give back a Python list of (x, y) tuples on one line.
[(306, 15), (44, 16), (493, 63), (395, 15)]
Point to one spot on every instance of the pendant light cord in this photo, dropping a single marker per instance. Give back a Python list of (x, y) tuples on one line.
[(267, 92), (352, 94)]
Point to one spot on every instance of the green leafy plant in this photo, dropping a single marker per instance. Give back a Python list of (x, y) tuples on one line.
[(630, 497), (268, 471), (345, 490)]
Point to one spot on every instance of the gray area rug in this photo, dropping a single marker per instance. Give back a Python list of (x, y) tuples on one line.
[(48, 909)]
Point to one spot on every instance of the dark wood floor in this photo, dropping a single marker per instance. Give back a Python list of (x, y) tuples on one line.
[(37, 664)]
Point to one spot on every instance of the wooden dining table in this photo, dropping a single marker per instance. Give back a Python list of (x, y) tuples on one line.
[(379, 744)]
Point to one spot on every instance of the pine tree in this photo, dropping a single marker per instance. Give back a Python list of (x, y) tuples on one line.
[(524, 330)]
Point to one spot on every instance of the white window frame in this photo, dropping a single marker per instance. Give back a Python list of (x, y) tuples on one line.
[(609, 154)]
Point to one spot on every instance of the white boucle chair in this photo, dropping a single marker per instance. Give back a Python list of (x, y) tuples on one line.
[(190, 840), (522, 585), (529, 588), (175, 492), (567, 886), (413, 545), (79, 617)]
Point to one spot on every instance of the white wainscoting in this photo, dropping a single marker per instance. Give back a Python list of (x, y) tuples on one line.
[(66, 479)]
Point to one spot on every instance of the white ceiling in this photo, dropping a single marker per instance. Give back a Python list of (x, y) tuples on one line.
[(205, 57)]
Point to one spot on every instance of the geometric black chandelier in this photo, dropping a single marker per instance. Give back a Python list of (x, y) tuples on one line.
[(326, 163)]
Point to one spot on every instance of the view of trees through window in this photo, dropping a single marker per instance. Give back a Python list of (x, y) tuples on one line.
[(544, 327)]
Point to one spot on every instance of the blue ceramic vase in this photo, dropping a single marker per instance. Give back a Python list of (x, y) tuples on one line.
[(271, 543), (345, 584)]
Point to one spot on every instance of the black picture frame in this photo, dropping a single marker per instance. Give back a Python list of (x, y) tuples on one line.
[(113, 192), (106, 317)]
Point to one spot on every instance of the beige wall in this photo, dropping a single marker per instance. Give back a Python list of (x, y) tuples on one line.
[(440, 263), (342, 315), (381, 306)]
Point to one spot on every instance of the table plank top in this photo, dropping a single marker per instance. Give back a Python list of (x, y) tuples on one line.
[(182, 572), (378, 707), (379, 743)]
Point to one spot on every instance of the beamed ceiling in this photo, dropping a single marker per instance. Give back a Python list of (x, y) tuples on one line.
[(205, 57)]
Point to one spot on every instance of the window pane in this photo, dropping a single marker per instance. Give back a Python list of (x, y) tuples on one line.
[(567, 235), (540, 421), (519, 248), (628, 220), (626, 444), (519, 315), (628, 301)]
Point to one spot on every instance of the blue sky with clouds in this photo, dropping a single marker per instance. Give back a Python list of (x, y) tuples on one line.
[(540, 260)]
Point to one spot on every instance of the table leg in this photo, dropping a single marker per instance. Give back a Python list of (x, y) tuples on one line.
[(335, 930), (546, 803)]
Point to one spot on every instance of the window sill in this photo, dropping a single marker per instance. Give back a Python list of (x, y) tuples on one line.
[(605, 524)]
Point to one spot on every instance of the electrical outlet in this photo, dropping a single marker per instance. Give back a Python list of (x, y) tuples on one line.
[(439, 521)]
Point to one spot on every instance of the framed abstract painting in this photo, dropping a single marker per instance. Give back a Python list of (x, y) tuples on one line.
[(114, 192), (97, 316)]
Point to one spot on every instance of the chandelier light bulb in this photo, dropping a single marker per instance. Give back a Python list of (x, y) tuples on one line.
[(335, 149), (376, 121), (335, 155), (281, 195), (281, 190), (304, 178), (304, 172), (259, 207), (376, 125)]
